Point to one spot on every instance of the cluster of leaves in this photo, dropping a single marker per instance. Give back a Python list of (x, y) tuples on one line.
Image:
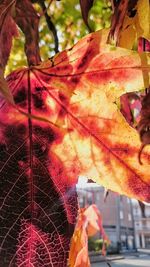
[(60, 118)]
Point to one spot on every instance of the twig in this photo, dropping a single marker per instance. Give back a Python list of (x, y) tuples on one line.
[(50, 24)]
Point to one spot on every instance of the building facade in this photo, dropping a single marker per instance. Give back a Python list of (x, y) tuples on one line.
[(142, 225), (116, 212)]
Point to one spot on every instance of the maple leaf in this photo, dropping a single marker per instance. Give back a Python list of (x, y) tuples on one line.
[(66, 124), (98, 142), (28, 21), (89, 223)]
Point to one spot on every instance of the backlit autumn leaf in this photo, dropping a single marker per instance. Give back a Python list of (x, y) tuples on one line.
[(78, 255), (38, 203), (95, 223), (82, 133), (98, 141), (89, 223)]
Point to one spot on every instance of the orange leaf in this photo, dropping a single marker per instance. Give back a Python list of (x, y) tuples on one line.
[(135, 25), (88, 224), (98, 142), (78, 255), (94, 218)]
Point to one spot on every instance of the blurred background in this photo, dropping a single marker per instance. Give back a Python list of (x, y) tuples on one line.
[(126, 221)]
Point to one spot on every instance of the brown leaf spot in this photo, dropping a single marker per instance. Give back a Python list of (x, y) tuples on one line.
[(75, 80), (20, 97)]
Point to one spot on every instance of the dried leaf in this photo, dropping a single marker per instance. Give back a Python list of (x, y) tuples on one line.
[(85, 8)]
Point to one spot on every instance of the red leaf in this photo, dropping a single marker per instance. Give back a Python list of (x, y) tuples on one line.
[(37, 204), (130, 108), (7, 30), (28, 21), (143, 45), (126, 109), (144, 123)]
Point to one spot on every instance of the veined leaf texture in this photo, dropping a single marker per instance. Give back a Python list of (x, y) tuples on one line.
[(66, 123), (38, 203)]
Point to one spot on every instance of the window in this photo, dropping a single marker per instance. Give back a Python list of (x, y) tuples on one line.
[(128, 200), (129, 217), (98, 196), (121, 215), (89, 198)]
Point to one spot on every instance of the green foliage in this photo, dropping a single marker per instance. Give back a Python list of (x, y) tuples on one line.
[(67, 18), (100, 14), (96, 244)]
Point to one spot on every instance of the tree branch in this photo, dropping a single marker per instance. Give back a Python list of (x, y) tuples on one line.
[(50, 25)]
